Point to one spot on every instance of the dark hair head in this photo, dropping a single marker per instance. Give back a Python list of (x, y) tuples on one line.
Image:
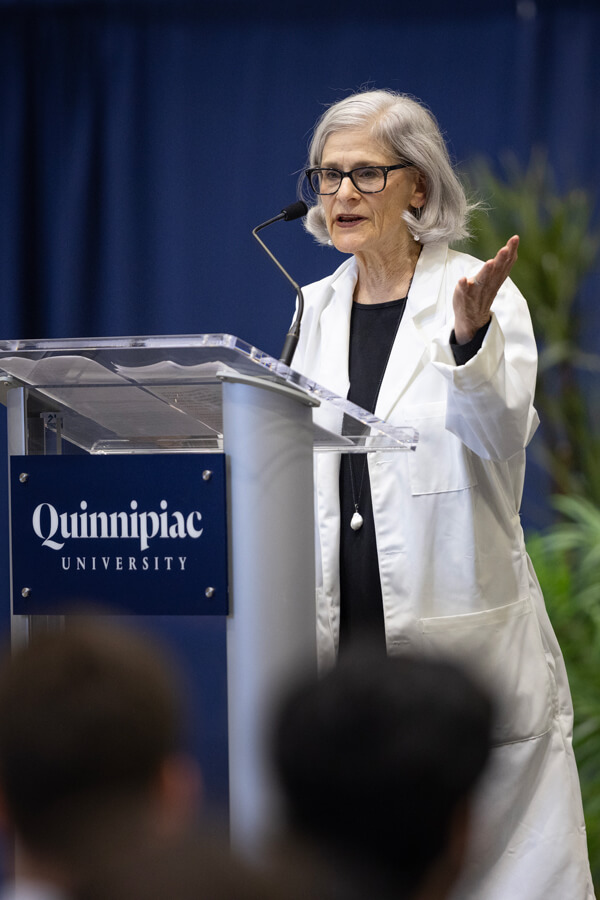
[(87, 716), (375, 757)]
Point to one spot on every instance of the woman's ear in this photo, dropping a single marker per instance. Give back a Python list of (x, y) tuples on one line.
[(419, 195)]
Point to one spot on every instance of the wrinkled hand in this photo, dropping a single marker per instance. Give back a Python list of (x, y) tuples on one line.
[(473, 297)]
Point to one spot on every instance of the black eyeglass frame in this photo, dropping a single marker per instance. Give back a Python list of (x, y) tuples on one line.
[(383, 169)]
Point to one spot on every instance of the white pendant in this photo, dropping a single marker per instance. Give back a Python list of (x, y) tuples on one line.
[(356, 521)]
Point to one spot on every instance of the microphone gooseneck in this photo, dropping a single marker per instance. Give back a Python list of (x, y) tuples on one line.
[(288, 213)]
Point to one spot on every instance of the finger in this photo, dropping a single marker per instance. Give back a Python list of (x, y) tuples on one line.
[(499, 267), (510, 248), (509, 251), (486, 283)]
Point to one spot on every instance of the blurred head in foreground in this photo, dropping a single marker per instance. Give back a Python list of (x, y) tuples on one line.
[(378, 760), (90, 731)]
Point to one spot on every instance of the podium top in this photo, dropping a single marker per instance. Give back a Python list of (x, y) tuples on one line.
[(136, 394)]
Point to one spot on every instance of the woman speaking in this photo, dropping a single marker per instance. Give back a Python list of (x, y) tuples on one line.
[(424, 551)]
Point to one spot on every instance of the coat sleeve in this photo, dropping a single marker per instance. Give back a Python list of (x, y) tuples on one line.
[(490, 398)]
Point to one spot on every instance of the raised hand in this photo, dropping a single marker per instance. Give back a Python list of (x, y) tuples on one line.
[(473, 297)]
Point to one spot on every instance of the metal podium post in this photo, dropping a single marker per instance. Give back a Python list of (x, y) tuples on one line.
[(16, 412), (272, 626)]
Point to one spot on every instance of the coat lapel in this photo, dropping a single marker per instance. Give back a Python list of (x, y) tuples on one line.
[(335, 331), (424, 315)]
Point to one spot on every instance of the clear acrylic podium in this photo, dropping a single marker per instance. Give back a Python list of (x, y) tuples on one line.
[(200, 394)]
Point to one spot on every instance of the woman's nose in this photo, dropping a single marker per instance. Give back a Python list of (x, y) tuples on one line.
[(347, 188)]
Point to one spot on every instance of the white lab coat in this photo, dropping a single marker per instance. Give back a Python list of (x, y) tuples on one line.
[(455, 574)]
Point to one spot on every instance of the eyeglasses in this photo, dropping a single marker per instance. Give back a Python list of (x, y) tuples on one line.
[(366, 179)]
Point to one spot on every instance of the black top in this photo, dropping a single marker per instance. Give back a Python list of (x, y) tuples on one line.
[(373, 329)]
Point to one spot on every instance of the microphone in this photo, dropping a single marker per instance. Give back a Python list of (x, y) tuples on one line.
[(293, 211)]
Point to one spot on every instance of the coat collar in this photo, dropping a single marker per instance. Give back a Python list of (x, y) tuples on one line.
[(424, 314)]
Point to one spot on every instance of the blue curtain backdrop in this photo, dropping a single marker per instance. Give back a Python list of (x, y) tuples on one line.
[(140, 142)]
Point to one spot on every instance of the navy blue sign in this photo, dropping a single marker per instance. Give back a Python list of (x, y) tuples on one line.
[(143, 534)]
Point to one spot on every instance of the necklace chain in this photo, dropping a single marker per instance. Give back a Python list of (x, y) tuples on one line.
[(357, 520)]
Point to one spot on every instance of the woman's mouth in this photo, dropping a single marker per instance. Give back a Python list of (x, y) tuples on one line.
[(347, 221)]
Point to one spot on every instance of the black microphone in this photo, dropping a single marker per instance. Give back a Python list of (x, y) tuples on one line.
[(293, 211)]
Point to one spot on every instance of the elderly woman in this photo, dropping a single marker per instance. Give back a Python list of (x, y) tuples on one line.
[(425, 550)]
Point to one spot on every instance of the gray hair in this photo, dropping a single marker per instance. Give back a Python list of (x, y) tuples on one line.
[(405, 128)]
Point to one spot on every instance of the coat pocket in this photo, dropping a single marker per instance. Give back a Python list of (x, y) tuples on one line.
[(441, 462), (503, 648)]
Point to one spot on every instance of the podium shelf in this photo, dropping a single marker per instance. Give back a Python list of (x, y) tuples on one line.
[(164, 394)]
